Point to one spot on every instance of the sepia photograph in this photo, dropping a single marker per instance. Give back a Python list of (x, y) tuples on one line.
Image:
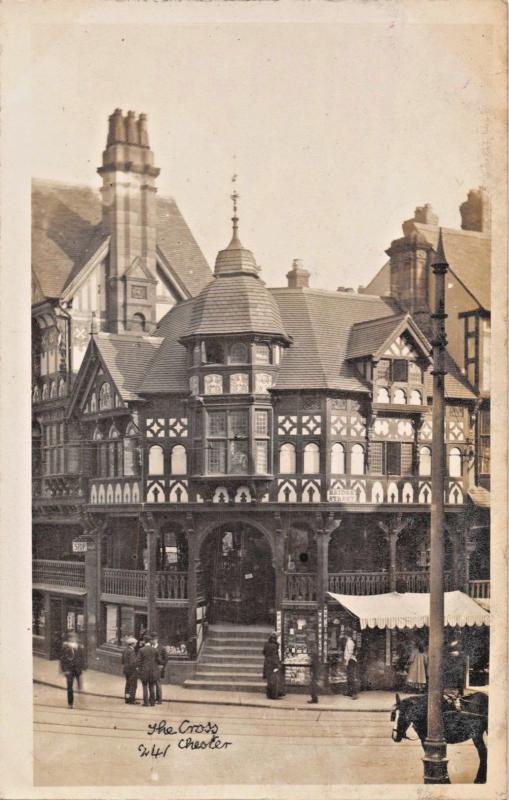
[(261, 241)]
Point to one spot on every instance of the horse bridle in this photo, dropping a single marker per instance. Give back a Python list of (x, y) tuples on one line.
[(394, 713)]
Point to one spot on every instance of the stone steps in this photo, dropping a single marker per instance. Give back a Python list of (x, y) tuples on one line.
[(231, 659)]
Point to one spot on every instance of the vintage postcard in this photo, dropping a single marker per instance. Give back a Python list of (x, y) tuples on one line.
[(254, 436)]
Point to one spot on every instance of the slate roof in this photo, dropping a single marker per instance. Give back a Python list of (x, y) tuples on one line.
[(367, 337), (235, 303), (66, 233), (469, 257), (319, 323), (468, 254), (127, 359)]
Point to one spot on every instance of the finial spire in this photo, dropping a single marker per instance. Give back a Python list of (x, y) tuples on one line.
[(440, 259), (235, 197)]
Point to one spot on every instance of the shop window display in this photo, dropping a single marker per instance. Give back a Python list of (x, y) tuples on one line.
[(300, 627), (338, 621)]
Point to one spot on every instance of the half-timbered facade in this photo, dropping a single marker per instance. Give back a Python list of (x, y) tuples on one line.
[(238, 458)]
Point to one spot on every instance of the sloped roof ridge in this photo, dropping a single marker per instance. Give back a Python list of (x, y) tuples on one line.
[(390, 317), (454, 231), (333, 293)]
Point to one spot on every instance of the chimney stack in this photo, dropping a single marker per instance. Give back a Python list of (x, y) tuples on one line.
[(129, 218), (298, 277), (476, 211)]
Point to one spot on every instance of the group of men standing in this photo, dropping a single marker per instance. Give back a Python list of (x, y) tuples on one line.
[(144, 660)]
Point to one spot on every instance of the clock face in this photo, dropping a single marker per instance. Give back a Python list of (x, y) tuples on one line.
[(213, 384)]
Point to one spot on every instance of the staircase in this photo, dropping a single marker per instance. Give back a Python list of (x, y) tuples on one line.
[(231, 659)]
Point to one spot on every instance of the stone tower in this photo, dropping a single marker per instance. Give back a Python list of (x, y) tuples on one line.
[(129, 218)]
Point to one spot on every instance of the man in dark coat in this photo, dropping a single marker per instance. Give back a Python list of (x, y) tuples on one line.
[(130, 671), (72, 664), (162, 658), (272, 667), (148, 671)]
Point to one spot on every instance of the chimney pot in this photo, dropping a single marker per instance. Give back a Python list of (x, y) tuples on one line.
[(476, 211), (142, 130), (132, 128), (298, 277)]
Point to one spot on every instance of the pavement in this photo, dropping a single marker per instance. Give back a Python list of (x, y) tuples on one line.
[(102, 684)]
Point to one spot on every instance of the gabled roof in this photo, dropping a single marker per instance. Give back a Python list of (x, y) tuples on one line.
[(468, 254), (168, 371), (126, 358), (66, 232), (372, 337), (319, 323)]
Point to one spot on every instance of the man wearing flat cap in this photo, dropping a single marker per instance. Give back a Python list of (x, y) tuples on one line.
[(130, 671), (162, 658)]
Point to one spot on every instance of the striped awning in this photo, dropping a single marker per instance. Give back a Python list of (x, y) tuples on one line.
[(410, 609)]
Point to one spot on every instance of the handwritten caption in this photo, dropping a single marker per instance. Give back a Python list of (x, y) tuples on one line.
[(189, 736)]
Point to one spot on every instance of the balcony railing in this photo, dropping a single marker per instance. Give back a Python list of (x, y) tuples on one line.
[(133, 583), (388, 490), (59, 486), (171, 585), (479, 590), (58, 573), (114, 491), (124, 582), (359, 583), (300, 586)]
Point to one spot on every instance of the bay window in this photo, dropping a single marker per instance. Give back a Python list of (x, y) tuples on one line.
[(233, 439)]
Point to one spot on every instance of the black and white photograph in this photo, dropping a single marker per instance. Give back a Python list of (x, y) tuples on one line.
[(259, 246)]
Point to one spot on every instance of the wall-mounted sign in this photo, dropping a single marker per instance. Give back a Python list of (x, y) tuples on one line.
[(341, 496), (83, 545)]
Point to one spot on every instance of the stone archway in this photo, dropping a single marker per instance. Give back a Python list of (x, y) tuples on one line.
[(238, 578)]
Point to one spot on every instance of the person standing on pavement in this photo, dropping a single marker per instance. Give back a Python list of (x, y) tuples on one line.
[(314, 668), (272, 667), (162, 658), (72, 664), (351, 665), (130, 671), (148, 671)]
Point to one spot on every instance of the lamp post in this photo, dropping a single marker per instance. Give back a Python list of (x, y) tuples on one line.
[(435, 748)]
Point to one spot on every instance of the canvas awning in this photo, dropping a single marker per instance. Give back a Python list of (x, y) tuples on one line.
[(410, 609), (480, 497)]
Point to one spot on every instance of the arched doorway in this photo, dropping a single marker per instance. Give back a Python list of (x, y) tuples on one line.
[(238, 575)]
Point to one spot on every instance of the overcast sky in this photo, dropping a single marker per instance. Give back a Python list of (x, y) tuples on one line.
[(336, 131)]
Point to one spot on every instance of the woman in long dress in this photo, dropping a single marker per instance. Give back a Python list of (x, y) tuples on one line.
[(272, 667), (416, 677)]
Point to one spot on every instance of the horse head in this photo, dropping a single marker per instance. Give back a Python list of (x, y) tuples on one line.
[(402, 717)]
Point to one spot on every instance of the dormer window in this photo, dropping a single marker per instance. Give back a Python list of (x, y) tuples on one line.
[(400, 370)]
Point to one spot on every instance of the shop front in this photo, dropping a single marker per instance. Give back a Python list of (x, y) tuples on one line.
[(389, 628), (54, 615)]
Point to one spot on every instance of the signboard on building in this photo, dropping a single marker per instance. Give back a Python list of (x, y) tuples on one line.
[(84, 544), (341, 496)]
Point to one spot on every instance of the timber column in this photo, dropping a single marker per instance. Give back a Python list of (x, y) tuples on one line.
[(325, 524), (282, 526), (192, 583), (149, 526), (93, 535), (392, 532)]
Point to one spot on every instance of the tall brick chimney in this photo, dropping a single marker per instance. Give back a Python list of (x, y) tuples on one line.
[(298, 277), (476, 211), (129, 217)]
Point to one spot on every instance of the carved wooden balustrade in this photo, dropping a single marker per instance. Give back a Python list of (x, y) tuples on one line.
[(359, 582), (300, 586), (479, 590), (171, 585), (124, 582), (58, 573)]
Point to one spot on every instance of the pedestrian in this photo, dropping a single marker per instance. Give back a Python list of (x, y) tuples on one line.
[(416, 677), (130, 670), (162, 659), (148, 671), (72, 664), (314, 668), (272, 667), (351, 665)]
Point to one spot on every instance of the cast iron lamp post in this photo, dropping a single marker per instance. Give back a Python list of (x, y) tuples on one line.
[(435, 748)]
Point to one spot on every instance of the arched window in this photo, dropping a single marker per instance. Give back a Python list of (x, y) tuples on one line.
[(238, 353), (399, 397), (337, 459), (357, 460), (425, 461), (138, 322), (178, 460), (455, 462), (97, 435), (131, 461), (93, 403), (382, 395), (287, 459), (113, 433), (105, 398), (61, 387), (45, 391), (156, 460), (115, 452), (311, 459), (214, 353), (415, 398), (53, 389)]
